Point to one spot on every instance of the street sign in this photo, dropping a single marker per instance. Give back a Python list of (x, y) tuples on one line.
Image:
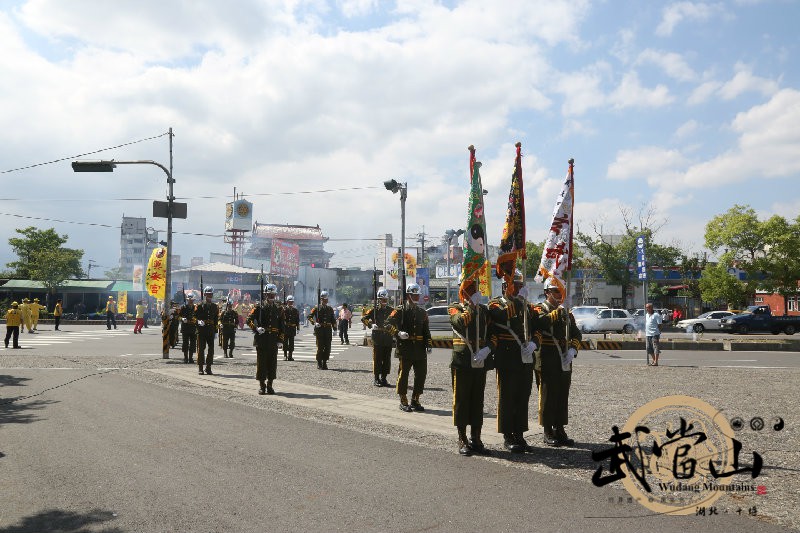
[(641, 262), (161, 209), (455, 271)]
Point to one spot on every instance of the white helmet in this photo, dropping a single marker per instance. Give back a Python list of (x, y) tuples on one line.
[(271, 289), (383, 294), (550, 283), (413, 288), (323, 295), (289, 298), (208, 290)]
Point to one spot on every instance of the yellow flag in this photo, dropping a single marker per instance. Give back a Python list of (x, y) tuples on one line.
[(157, 273)]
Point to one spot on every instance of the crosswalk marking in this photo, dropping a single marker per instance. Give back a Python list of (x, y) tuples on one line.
[(36, 340)]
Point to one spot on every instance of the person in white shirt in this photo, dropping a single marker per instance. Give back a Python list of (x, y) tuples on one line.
[(652, 331)]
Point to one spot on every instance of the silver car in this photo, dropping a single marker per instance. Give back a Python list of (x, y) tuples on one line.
[(710, 320), (438, 318)]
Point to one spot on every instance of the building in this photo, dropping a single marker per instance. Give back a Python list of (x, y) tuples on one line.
[(136, 243), (309, 239), (354, 285)]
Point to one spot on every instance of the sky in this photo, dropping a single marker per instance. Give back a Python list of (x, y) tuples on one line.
[(673, 110)]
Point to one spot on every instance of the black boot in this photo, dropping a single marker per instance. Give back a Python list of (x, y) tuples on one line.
[(377, 382), (527, 448), (476, 444), (415, 405), (208, 370), (290, 356), (463, 444), (550, 437), (319, 364), (562, 438), (185, 357), (262, 387), (324, 365), (511, 443), (404, 404), (383, 381), (270, 390)]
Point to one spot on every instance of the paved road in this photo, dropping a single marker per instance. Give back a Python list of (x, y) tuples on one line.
[(88, 450)]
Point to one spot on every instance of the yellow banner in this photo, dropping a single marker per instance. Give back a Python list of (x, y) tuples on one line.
[(122, 301), (157, 273)]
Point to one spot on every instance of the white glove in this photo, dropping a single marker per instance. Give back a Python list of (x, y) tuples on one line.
[(280, 345), (482, 354), (475, 298), (317, 325), (374, 326), (572, 352), (402, 334), (429, 349), (201, 323), (566, 359), (530, 348), (523, 292), (260, 330), (183, 320)]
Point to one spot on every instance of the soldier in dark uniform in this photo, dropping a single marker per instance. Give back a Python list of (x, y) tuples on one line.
[(266, 321), (375, 319), (324, 321), (174, 322), (188, 329), (554, 368), (207, 314), (291, 320), (229, 320), (409, 323), (471, 359), (513, 358)]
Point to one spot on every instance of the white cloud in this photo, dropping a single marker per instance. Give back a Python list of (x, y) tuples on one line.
[(357, 8), (671, 63), (675, 13), (686, 129), (631, 93), (703, 92), (653, 163), (582, 89), (744, 81)]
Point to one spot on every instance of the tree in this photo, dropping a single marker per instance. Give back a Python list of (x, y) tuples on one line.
[(717, 284), (738, 232), (614, 256), (43, 258), (115, 273), (780, 264)]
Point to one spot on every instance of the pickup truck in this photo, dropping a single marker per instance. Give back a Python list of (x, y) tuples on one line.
[(759, 318)]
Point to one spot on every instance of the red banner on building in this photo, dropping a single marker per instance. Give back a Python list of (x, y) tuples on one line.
[(285, 260)]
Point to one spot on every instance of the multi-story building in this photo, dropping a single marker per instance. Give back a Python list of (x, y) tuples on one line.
[(309, 239), (136, 243)]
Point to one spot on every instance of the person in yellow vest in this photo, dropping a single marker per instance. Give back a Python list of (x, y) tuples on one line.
[(139, 317), (111, 313), (57, 312), (26, 315), (35, 308), (13, 321)]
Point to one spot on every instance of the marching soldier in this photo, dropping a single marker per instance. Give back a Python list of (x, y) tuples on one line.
[(266, 321), (513, 359), (207, 314), (409, 323), (13, 322), (554, 368), (324, 321), (471, 359), (375, 320), (229, 320), (188, 329), (174, 320), (291, 318), (35, 309)]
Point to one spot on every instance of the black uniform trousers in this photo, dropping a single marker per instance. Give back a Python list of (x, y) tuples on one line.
[(553, 384), (267, 358), (514, 387), (228, 338), (205, 339), (469, 385), (420, 367), (381, 360), (12, 331), (173, 330), (324, 338), (111, 319), (189, 334), (288, 342)]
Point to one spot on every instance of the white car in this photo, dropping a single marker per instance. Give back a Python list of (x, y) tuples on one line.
[(586, 311), (710, 320), (438, 318), (608, 320)]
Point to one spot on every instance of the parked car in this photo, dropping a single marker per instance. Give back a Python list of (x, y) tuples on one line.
[(438, 318), (608, 320), (759, 318), (585, 311), (710, 320)]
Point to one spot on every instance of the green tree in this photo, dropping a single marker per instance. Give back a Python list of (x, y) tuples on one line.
[(115, 273), (779, 268), (41, 257), (739, 233), (716, 284)]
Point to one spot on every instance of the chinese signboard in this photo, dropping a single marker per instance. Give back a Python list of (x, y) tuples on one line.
[(285, 259)]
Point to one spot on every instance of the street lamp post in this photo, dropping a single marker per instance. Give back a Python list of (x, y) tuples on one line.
[(449, 234), (108, 166), (402, 188)]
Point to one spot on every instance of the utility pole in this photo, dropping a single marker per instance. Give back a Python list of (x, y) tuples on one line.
[(421, 239)]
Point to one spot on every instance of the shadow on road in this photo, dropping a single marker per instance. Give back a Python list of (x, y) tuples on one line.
[(63, 521), (12, 381), (16, 409), (304, 396), (354, 370), (578, 456)]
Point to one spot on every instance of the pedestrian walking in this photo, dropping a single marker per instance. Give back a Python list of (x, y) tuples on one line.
[(207, 315), (345, 321), (560, 344), (139, 317), (409, 323), (111, 313), (324, 320), (375, 320), (652, 332), (57, 312), (266, 321), (13, 323)]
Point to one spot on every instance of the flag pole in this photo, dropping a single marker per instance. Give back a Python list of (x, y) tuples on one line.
[(569, 259)]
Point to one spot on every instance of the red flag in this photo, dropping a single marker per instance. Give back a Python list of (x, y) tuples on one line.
[(512, 244)]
